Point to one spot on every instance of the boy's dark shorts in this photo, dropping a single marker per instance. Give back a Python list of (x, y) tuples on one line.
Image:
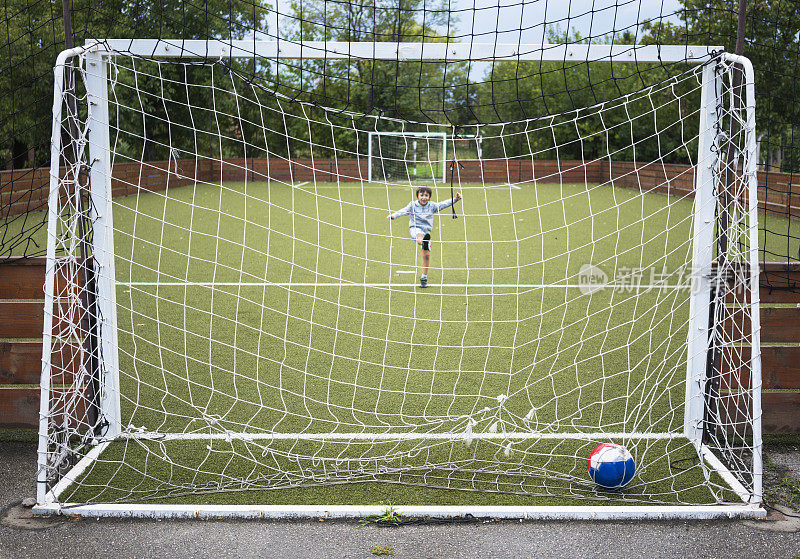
[(426, 242)]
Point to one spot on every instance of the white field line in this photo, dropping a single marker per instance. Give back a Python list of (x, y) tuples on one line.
[(595, 436), (374, 186), (594, 287), (300, 184)]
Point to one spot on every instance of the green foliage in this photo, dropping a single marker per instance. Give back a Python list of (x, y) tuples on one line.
[(425, 92), (781, 483), (429, 92), (785, 492), (249, 120), (582, 92), (382, 550), (173, 115), (18, 435), (33, 35), (772, 43), (30, 43), (782, 440)]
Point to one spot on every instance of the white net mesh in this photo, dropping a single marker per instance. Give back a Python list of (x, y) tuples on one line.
[(264, 322)]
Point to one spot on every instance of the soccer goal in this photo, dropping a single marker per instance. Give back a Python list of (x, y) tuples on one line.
[(407, 157), (233, 327)]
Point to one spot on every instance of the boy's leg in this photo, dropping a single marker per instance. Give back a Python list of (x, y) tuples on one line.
[(426, 259), (419, 239), (426, 253)]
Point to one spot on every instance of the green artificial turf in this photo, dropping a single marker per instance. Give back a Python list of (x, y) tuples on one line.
[(234, 315), (317, 357), (537, 472)]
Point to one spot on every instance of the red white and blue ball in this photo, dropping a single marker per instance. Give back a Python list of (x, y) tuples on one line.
[(611, 466)]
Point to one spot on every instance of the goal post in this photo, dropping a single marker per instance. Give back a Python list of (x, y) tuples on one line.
[(258, 332)]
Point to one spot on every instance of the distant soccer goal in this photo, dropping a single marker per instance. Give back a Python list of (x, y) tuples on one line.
[(233, 325), (407, 157)]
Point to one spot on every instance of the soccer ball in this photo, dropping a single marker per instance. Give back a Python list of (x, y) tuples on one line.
[(611, 466)]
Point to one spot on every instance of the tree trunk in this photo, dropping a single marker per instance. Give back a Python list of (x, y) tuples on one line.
[(19, 155)]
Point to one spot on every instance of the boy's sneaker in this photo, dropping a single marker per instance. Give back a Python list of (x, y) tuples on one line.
[(423, 281)]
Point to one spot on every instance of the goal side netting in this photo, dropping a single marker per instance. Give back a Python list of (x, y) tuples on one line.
[(230, 311)]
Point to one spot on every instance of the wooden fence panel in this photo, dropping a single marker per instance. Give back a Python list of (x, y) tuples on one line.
[(19, 407), (779, 367), (20, 362), (22, 278)]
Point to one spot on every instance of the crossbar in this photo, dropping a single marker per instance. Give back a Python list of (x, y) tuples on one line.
[(343, 50)]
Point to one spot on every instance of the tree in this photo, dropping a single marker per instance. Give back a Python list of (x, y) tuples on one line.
[(33, 36), (180, 111), (408, 91), (772, 43), (580, 110), (30, 41)]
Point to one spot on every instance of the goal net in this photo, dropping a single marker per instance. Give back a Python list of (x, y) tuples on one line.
[(230, 315)]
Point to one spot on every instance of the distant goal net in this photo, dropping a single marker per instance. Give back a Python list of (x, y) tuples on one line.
[(232, 320)]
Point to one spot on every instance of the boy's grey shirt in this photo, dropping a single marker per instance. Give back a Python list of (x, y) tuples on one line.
[(421, 217)]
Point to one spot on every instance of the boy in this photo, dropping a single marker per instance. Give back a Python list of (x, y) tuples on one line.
[(420, 223)]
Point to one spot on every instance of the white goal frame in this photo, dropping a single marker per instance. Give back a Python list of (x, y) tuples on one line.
[(97, 55)]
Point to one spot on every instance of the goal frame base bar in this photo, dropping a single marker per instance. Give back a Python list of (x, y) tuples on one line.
[(552, 512), (544, 512)]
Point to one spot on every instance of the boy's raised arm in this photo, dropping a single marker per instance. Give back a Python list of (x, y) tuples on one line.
[(447, 203), (398, 213)]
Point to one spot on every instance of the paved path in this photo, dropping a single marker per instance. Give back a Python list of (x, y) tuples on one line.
[(25, 537)]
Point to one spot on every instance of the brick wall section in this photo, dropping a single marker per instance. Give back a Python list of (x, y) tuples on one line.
[(23, 190)]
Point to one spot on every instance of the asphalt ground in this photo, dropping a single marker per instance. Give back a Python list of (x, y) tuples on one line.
[(22, 535)]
